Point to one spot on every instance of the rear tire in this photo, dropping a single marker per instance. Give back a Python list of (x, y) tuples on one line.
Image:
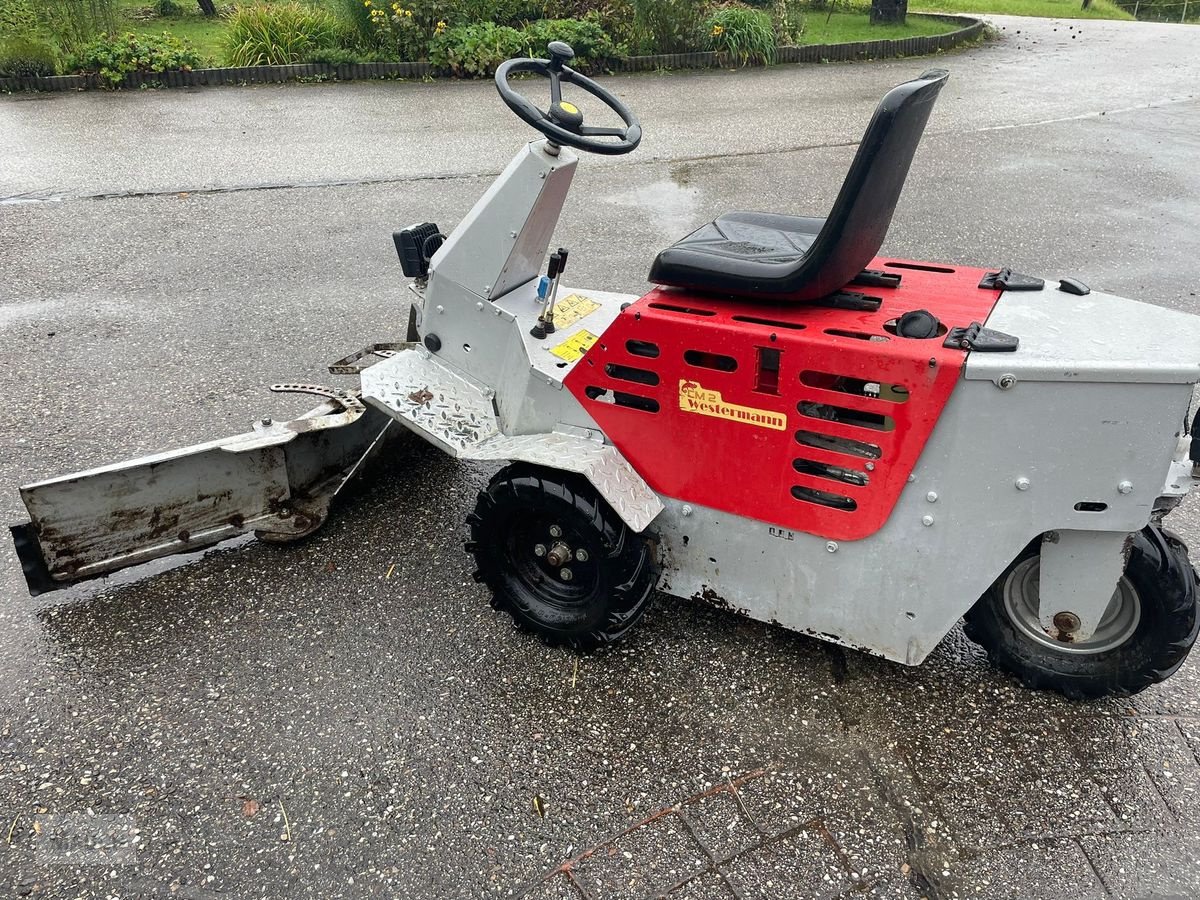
[(523, 525), (1145, 635)]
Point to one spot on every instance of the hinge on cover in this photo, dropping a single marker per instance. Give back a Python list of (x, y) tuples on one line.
[(983, 340), (1008, 280), (852, 300), (876, 278)]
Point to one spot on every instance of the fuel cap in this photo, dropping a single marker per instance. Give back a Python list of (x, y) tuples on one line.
[(918, 323)]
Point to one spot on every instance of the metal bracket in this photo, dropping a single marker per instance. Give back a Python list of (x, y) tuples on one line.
[(1079, 573), (348, 401), (983, 340), (359, 360)]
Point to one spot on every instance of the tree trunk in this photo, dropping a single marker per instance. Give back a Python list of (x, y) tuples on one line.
[(888, 12), (208, 7)]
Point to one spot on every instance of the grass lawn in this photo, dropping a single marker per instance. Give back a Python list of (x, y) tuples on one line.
[(841, 27), (1060, 9), (206, 35)]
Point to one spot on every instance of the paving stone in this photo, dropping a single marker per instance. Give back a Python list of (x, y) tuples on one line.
[(1148, 766), (557, 888), (843, 787), (896, 887), (998, 783), (721, 826), (1151, 864), (1055, 870), (709, 886), (800, 866), (649, 860)]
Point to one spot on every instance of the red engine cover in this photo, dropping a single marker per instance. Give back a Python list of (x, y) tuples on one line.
[(802, 416)]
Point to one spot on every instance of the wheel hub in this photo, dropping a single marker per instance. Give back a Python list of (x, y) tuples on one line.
[(1022, 602), (558, 555)]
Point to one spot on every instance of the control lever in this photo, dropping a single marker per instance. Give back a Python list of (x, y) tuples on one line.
[(553, 293), (544, 325)]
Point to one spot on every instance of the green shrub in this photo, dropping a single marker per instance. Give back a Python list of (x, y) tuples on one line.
[(276, 34), (18, 18), (790, 19), (26, 57), (475, 50), (359, 26), (168, 9), (336, 56), (587, 38), (616, 16), (114, 57), (667, 26), (402, 31), (502, 12), (742, 34), (76, 23)]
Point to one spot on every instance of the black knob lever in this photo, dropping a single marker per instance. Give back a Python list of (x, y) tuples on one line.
[(560, 52)]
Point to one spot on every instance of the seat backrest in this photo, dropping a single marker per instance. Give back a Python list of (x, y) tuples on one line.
[(858, 223)]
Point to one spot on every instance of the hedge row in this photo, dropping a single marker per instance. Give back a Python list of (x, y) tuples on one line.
[(811, 53)]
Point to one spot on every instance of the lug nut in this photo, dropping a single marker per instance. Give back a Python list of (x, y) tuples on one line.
[(539, 550), (555, 531), (566, 575), (582, 555)]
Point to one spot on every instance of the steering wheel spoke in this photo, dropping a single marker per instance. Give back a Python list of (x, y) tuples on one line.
[(563, 123), (593, 131)]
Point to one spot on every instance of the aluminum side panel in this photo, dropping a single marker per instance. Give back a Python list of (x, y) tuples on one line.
[(957, 524), (1096, 337)]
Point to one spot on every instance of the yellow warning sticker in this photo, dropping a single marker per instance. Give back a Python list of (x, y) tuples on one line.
[(575, 346), (571, 309), (695, 399)]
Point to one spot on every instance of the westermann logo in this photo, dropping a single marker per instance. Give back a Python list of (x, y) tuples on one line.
[(696, 399)]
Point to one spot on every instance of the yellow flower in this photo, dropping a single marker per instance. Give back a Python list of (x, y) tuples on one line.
[(717, 31), (408, 13), (366, 2), (440, 27)]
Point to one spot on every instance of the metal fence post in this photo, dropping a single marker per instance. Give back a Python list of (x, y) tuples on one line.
[(1183, 18)]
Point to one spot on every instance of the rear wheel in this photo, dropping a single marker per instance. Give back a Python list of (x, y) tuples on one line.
[(558, 559), (1143, 637)]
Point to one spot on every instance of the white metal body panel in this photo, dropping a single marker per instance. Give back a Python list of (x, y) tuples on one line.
[(899, 591), (1096, 337)]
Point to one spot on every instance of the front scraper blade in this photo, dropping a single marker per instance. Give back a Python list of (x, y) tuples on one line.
[(277, 481)]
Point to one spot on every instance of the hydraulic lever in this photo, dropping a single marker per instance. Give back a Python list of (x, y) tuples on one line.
[(545, 322)]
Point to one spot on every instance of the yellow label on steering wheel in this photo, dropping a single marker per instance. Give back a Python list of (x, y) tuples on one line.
[(568, 107)]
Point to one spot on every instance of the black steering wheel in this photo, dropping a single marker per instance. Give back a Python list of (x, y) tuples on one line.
[(563, 124)]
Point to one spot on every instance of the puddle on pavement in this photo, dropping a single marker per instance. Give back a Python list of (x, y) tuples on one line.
[(671, 205)]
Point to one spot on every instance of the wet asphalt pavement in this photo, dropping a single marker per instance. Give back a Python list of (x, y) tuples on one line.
[(348, 717)]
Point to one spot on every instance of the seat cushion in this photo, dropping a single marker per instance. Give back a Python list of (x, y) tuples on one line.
[(737, 252)]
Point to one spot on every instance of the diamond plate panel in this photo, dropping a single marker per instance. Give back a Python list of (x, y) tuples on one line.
[(432, 400)]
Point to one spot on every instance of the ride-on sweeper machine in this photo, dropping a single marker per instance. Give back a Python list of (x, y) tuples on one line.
[(861, 448)]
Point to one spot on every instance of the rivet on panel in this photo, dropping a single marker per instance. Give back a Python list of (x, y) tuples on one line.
[(832, 546), (926, 521), (931, 496), (1124, 487), (686, 511), (1022, 484)]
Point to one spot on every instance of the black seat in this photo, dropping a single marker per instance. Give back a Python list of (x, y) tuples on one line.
[(791, 258)]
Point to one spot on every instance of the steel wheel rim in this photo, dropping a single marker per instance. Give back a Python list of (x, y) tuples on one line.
[(539, 579), (1117, 625)]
